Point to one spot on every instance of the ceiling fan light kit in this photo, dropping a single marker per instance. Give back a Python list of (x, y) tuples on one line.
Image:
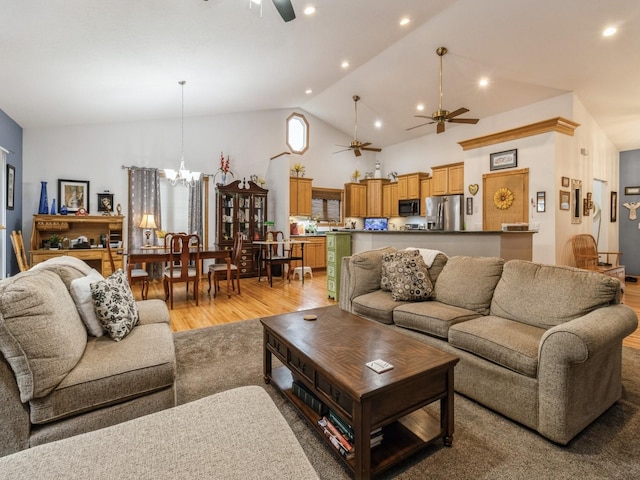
[(440, 116), (356, 145)]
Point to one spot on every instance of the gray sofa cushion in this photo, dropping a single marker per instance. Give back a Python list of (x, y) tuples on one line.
[(41, 333), (112, 372), (524, 294), (433, 317), (377, 305), (436, 267), (468, 282), (513, 345)]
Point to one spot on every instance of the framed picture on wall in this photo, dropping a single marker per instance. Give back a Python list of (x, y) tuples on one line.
[(11, 186), (614, 207), (506, 159), (105, 202), (565, 198), (73, 194)]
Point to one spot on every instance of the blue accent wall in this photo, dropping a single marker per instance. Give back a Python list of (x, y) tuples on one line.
[(628, 229), (11, 139)]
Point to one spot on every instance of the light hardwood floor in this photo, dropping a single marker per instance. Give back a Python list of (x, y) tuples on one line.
[(258, 300)]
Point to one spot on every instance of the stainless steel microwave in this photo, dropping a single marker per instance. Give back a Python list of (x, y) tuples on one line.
[(409, 208)]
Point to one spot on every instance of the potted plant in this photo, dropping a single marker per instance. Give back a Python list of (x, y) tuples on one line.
[(54, 242)]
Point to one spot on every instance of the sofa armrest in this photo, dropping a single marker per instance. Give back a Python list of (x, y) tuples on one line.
[(153, 311), (15, 426), (346, 289), (580, 370)]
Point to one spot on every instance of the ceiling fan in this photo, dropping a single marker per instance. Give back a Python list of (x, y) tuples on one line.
[(440, 116), (284, 7), (356, 145)]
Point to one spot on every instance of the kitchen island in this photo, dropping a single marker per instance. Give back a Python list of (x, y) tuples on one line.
[(506, 245)]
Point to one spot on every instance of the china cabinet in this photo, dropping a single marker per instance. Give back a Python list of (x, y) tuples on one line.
[(242, 207)]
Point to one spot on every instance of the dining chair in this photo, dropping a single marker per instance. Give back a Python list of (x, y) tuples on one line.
[(277, 253), (18, 248), (134, 275), (184, 265), (219, 270)]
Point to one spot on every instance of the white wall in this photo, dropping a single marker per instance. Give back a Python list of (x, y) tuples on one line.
[(97, 152)]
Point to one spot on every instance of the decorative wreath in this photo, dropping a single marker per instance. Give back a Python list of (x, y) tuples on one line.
[(503, 198)]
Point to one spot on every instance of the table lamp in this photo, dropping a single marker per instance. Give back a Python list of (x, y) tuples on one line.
[(148, 223)]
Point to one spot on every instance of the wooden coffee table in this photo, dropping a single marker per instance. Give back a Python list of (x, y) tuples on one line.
[(328, 356)]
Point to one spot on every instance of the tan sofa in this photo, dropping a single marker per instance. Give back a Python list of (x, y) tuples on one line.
[(540, 344), (57, 381)]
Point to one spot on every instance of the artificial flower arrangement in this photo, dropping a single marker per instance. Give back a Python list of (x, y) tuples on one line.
[(224, 168), (298, 169), (161, 233), (355, 175)]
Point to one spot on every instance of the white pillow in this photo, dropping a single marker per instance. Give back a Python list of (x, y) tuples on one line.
[(428, 255), (81, 294)]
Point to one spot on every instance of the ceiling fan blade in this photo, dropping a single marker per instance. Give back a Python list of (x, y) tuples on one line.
[(424, 116), (464, 120), (357, 152), (285, 9), (421, 125), (440, 127), (340, 151), (371, 149), (366, 144), (455, 113)]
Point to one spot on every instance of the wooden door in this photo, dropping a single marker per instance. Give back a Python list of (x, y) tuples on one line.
[(505, 198)]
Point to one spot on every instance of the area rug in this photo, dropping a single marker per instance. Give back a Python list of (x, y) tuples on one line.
[(486, 445)]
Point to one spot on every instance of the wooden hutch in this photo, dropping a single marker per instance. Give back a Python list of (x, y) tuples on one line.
[(69, 228), (242, 207)]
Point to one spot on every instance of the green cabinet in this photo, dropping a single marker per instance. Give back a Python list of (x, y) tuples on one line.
[(338, 246)]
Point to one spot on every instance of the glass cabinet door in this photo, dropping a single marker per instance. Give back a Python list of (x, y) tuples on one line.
[(228, 209), (244, 215), (259, 217)]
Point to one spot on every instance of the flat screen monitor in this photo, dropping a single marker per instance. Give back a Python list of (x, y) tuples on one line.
[(375, 223)]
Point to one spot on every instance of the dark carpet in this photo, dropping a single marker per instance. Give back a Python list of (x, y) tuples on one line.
[(486, 445)]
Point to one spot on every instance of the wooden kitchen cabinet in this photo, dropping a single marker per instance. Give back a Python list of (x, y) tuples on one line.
[(409, 185), (300, 196), (425, 189), (355, 200), (390, 200), (374, 196), (314, 252), (448, 179)]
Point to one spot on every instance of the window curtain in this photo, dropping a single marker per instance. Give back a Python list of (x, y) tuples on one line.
[(144, 197), (195, 209)]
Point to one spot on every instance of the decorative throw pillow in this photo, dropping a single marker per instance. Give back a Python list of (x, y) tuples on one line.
[(81, 293), (406, 276), (115, 305)]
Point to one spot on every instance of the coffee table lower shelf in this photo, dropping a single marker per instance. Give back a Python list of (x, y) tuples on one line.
[(402, 438)]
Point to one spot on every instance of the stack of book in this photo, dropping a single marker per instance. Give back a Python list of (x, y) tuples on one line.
[(341, 434), (303, 393)]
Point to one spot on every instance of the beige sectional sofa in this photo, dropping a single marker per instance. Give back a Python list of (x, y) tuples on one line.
[(57, 381), (540, 344)]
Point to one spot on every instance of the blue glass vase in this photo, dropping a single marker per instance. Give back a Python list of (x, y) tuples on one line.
[(53, 207), (43, 208)]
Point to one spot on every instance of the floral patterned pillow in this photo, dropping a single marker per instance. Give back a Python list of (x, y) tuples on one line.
[(115, 305), (406, 276)]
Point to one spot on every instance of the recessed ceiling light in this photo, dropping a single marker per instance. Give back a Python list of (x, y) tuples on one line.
[(420, 107), (308, 91), (345, 64), (609, 31), (483, 82), (378, 124), (310, 10), (405, 21)]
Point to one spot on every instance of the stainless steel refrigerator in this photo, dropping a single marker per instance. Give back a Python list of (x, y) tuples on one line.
[(445, 213)]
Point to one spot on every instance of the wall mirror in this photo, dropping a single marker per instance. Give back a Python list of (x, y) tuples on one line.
[(576, 201)]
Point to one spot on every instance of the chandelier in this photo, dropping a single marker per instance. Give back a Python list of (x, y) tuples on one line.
[(182, 175)]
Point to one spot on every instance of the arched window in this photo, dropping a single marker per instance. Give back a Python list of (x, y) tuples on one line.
[(297, 133)]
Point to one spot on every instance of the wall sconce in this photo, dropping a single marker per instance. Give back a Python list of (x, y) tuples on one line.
[(148, 223)]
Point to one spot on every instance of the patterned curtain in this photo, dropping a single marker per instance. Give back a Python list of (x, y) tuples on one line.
[(195, 209), (144, 197)]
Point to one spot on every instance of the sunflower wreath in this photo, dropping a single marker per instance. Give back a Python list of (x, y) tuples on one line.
[(503, 198)]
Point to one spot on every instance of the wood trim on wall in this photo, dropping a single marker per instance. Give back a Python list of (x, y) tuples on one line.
[(557, 124)]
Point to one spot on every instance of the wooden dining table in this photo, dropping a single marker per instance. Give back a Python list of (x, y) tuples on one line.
[(161, 255)]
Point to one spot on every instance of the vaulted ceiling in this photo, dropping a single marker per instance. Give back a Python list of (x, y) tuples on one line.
[(67, 62)]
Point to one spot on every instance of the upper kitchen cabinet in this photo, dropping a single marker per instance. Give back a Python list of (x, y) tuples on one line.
[(300, 196), (448, 179), (409, 185), (374, 196), (355, 200)]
